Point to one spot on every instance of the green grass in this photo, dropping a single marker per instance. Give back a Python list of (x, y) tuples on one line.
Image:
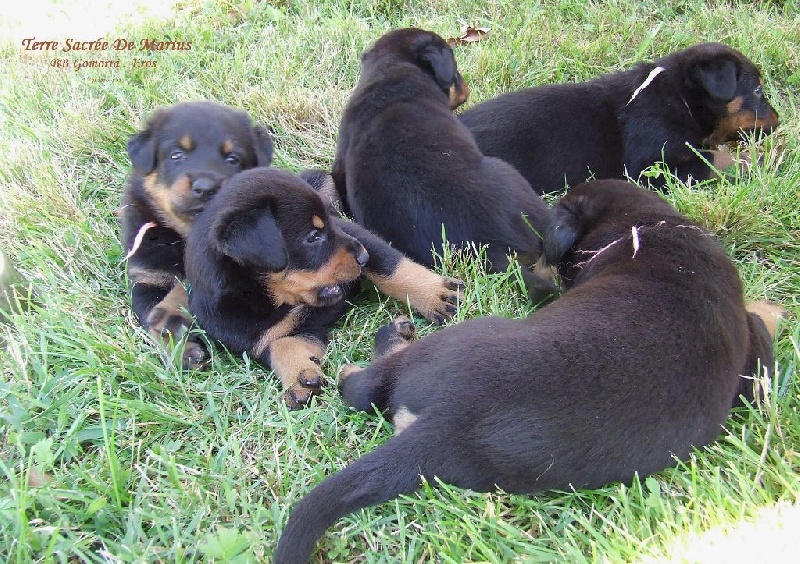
[(109, 452)]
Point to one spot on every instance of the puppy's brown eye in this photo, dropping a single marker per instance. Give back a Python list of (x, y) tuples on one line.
[(232, 159), (758, 92), (313, 237), (176, 155)]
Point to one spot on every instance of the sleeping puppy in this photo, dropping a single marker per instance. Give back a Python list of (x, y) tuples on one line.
[(271, 270), (180, 159), (639, 361), (624, 122), (405, 166)]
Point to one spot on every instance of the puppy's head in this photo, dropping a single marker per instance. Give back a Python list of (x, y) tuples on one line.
[(278, 232), (427, 51), (595, 214), (726, 88), (186, 152)]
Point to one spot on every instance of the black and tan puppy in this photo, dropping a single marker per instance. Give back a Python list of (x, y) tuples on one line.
[(405, 166), (638, 361), (181, 158), (560, 135), (271, 269)]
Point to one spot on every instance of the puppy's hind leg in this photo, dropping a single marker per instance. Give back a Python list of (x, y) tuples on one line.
[(393, 337), (364, 387), (762, 322)]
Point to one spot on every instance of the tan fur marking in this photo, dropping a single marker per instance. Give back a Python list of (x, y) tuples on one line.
[(458, 95), (402, 419), (290, 357), (769, 313), (227, 147), (157, 278), (545, 273), (295, 287), (419, 286), (164, 197), (735, 105), (728, 127), (283, 328), (186, 143), (318, 222)]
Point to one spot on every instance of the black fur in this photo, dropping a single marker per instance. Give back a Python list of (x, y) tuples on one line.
[(637, 362), (168, 186), (271, 270), (560, 135), (405, 166)]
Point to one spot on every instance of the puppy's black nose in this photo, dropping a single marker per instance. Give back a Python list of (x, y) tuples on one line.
[(204, 188)]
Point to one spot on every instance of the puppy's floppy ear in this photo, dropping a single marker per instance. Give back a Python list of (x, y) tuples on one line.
[(251, 238), (322, 183), (718, 77), (438, 60), (142, 146), (262, 144), (142, 151), (567, 226)]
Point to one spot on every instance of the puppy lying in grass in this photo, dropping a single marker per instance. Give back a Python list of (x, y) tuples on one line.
[(638, 362), (405, 166), (624, 122), (271, 270)]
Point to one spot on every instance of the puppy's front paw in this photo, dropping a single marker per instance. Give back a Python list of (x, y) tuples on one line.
[(167, 323), (436, 297), (730, 163), (168, 326), (307, 384), (450, 295), (194, 356), (296, 361), (298, 396)]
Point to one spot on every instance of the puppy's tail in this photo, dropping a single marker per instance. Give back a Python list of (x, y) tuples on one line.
[(387, 472)]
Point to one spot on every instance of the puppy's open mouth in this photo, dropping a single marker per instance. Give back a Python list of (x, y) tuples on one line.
[(329, 295), (188, 212)]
